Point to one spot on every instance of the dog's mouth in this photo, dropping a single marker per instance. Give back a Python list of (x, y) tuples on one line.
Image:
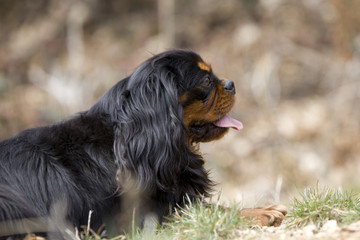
[(228, 122), (203, 131)]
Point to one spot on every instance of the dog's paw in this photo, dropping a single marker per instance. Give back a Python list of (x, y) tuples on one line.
[(268, 215)]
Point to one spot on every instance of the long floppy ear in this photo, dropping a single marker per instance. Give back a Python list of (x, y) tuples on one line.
[(150, 134)]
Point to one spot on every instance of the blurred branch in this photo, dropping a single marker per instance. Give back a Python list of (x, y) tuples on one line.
[(77, 16), (166, 16)]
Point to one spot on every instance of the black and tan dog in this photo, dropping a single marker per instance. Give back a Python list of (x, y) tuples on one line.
[(139, 140)]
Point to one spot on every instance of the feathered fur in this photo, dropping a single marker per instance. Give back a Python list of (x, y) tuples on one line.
[(133, 139)]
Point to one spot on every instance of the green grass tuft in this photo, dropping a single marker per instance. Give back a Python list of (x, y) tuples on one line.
[(197, 220), (353, 215), (317, 205), (203, 221)]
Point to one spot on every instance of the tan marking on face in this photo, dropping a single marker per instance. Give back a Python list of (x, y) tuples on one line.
[(197, 112), (183, 98), (204, 66), (218, 104)]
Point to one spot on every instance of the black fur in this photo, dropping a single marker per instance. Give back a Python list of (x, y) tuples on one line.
[(132, 139)]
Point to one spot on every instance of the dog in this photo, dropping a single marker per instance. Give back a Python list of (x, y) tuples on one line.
[(133, 154)]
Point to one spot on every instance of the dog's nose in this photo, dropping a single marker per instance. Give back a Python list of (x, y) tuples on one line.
[(229, 87)]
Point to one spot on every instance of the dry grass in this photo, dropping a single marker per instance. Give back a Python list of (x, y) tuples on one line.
[(318, 213)]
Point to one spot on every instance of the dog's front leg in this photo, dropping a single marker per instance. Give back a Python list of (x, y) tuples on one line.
[(268, 215)]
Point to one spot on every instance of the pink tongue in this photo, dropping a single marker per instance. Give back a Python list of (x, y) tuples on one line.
[(227, 122)]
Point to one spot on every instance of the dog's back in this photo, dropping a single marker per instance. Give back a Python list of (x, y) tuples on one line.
[(64, 169)]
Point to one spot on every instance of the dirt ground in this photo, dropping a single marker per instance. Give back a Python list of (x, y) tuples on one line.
[(330, 231)]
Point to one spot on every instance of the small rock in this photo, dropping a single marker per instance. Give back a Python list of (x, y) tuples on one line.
[(330, 227), (354, 227), (309, 230)]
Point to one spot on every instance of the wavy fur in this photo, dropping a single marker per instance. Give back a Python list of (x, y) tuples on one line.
[(132, 139)]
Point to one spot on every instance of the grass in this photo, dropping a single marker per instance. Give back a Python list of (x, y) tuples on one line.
[(192, 221), (317, 205), (212, 221), (203, 221)]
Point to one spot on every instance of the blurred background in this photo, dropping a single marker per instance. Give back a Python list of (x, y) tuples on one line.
[(296, 66)]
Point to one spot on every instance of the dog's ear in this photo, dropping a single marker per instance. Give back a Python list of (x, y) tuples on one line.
[(150, 133)]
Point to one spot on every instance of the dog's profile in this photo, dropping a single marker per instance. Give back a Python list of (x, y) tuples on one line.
[(134, 153)]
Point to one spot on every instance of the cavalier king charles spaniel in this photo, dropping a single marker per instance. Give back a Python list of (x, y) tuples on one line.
[(131, 155)]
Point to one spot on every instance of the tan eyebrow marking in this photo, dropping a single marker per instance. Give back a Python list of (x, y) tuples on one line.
[(204, 66)]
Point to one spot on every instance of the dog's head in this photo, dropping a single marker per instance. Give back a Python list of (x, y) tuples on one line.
[(192, 85), (171, 101), (206, 101)]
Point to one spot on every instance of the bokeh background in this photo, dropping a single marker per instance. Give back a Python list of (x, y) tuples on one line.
[(295, 63)]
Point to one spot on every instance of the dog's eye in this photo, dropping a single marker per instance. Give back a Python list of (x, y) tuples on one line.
[(206, 82)]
